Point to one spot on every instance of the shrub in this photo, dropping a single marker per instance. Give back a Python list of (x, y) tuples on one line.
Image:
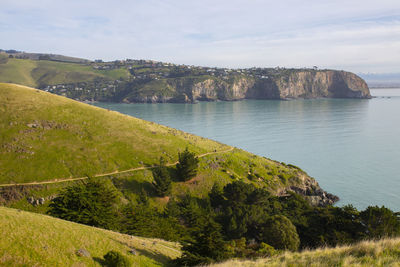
[(280, 233), (116, 259), (265, 250)]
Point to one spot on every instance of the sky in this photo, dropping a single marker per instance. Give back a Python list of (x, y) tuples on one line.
[(362, 36)]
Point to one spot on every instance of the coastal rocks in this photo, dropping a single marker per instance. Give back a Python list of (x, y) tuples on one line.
[(311, 191), (315, 195), (286, 84)]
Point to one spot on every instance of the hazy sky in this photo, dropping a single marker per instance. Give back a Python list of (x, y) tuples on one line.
[(355, 35)]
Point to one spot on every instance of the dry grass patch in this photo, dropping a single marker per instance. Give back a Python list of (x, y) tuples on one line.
[(385, 252)]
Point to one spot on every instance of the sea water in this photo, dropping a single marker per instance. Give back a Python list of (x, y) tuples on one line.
[(350, 146)]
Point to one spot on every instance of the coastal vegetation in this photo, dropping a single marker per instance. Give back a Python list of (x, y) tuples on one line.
[(104, 169)]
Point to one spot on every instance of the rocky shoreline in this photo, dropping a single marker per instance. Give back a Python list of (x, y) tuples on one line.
[(309, 188)]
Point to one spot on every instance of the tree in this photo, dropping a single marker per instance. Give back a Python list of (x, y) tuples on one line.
[(244, 210), (92, 203), (187, 166), (208, 246), (144, 220), (380, 222), (162, 180), (216, 196), (280, 233)]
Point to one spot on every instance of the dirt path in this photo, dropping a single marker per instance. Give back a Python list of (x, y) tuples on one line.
[(110, 173)]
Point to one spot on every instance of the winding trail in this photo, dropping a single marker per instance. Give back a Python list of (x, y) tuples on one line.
[(62, 180)]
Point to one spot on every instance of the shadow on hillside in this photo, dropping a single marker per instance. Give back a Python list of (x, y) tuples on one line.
[(147, 253), (135, 186), (100, 261)]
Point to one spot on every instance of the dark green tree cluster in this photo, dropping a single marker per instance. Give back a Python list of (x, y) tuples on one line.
[(94, 203), (253, 223), (237, 220)]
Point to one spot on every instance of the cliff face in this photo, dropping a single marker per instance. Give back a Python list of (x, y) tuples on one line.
[(335, 84), (285, 85)]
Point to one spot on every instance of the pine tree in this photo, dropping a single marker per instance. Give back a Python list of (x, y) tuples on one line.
[(92, 203), (208, 246), (187, 166), (162, 180)]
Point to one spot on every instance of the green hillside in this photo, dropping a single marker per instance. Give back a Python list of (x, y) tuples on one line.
[(46, 137), (43, 72), (385, 252), (29, 239)]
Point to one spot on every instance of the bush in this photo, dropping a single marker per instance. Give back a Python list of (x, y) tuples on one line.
[(280, 233), (187, 166), (265, 250), (116, 259)]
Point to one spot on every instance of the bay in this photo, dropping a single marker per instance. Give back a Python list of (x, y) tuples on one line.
[(351, 146)]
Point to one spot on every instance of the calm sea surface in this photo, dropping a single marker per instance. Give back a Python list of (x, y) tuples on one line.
[(352, 147)]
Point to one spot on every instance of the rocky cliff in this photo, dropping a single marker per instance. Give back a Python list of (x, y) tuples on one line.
[(286, 84)]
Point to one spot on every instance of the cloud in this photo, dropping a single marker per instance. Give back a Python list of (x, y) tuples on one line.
[(355, 35)]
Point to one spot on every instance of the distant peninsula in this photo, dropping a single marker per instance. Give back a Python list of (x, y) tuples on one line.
[(147, 81)]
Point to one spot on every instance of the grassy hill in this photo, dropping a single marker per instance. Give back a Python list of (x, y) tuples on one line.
[(29, 239), (385, 252), (43, 72), (46, 137)]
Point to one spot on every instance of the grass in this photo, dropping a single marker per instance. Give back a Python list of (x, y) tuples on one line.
[(29, 239), (18, 71), (42, 72), (385, 252), (73, 139)]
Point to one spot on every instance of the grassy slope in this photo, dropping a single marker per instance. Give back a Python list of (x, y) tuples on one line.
[(18, 71), (29, 239), (37, 72), (384, 252), (75, 139)]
